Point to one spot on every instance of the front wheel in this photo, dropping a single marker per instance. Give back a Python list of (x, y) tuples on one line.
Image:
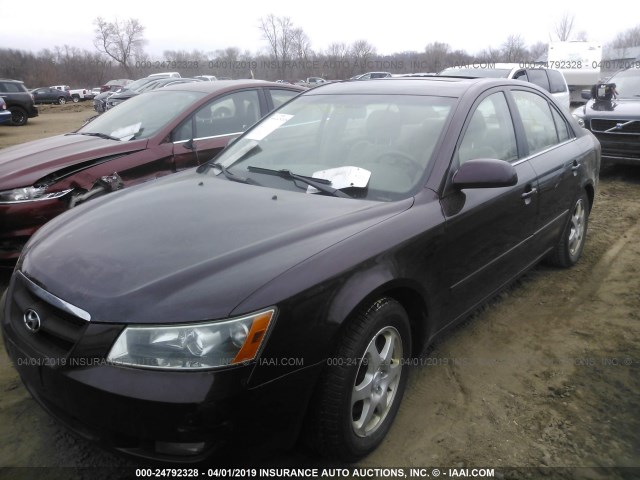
[(76, 99), (568, 250), (360, 391), (61, 101)]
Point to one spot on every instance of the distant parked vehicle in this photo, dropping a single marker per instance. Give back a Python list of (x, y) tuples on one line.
[(119, 97), (51, 95), (5, 114), (19, 101), (206, 78), (77, 94), (549, 79), (115, 84), (371, 75), (166, 75)]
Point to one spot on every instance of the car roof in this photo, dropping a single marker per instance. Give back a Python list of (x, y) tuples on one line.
[(211, 87), (436, 86)]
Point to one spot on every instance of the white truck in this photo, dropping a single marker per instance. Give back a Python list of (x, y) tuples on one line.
[(579, 62), (76, 94)]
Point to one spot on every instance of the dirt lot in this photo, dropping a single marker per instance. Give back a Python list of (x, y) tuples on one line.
[(547, 374)]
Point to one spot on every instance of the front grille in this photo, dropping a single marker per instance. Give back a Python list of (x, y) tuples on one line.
[(619, 146), (59, 330), (628, 127)]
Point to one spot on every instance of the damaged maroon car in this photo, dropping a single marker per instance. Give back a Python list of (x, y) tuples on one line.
[(150, 136)]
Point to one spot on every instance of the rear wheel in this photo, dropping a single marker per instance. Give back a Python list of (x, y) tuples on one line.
[(75, 98), (569, 249), (18, 116), (360, 391)]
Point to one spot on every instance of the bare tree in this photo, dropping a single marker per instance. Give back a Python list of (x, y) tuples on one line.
[(628, 38), (278, 32), (362, 52), (437, 54), (490, 54), (513, 49), (538, 50), (121, 40), (564, 27)]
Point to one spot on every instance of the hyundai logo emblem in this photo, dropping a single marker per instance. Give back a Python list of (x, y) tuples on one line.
[(32, 320)]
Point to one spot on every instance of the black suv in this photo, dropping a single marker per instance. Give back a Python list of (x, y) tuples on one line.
[(19, 101), (612, 114)]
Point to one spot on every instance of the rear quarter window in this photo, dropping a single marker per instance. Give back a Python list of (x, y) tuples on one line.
[(556, 82)]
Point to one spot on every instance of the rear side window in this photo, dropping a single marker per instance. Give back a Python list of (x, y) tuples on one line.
[(556, 82), (539, 77), (10, 87), (537, 120)]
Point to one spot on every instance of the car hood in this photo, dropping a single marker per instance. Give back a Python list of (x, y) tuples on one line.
[(188, 247), (23, 165), (624, 109)]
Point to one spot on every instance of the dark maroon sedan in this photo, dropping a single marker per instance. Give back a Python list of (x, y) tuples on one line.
[(153, 135)]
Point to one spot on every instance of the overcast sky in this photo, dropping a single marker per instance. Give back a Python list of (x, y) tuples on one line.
[(390, 26)]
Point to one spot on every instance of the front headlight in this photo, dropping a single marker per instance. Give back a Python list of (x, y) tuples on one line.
[(194, 346), (29, 194)]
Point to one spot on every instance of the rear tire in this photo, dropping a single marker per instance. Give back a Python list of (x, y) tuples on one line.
[(18, 116), (75, 99), (569, 249), (361, 388)]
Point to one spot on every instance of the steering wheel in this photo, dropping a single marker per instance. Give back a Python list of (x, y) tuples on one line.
[(398, 156)]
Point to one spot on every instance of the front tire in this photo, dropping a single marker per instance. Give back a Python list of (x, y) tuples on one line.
[(360, 391), (61, 100), (75, 99), (569, 249)]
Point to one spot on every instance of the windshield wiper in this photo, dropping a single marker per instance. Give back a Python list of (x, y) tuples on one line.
[(98, 134), (318, 183), (230, 176)]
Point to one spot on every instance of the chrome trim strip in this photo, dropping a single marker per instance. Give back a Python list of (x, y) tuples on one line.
[(207, 138), (53, 300)]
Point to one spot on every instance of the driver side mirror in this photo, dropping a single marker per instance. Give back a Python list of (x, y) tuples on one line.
[(485, 173)]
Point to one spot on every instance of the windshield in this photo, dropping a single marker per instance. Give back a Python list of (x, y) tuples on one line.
[(376, 147), (142, 116), (476, 72), (627, 83)]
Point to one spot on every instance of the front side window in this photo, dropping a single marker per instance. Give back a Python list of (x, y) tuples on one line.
[(230, 114), (490, 133), (384, 143), (537, 119)]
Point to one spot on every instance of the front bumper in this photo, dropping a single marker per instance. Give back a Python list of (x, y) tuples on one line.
[(158, 415), (20, 221)]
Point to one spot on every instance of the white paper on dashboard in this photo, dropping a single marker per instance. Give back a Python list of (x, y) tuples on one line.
[(343, 177)]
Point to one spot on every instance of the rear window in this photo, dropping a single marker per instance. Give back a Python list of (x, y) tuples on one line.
[(556, 82)]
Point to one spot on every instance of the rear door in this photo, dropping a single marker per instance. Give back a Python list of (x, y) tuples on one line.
[(488, 230), (554, 155)]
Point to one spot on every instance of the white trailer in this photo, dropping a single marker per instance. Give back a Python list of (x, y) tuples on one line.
[(579, 62)]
